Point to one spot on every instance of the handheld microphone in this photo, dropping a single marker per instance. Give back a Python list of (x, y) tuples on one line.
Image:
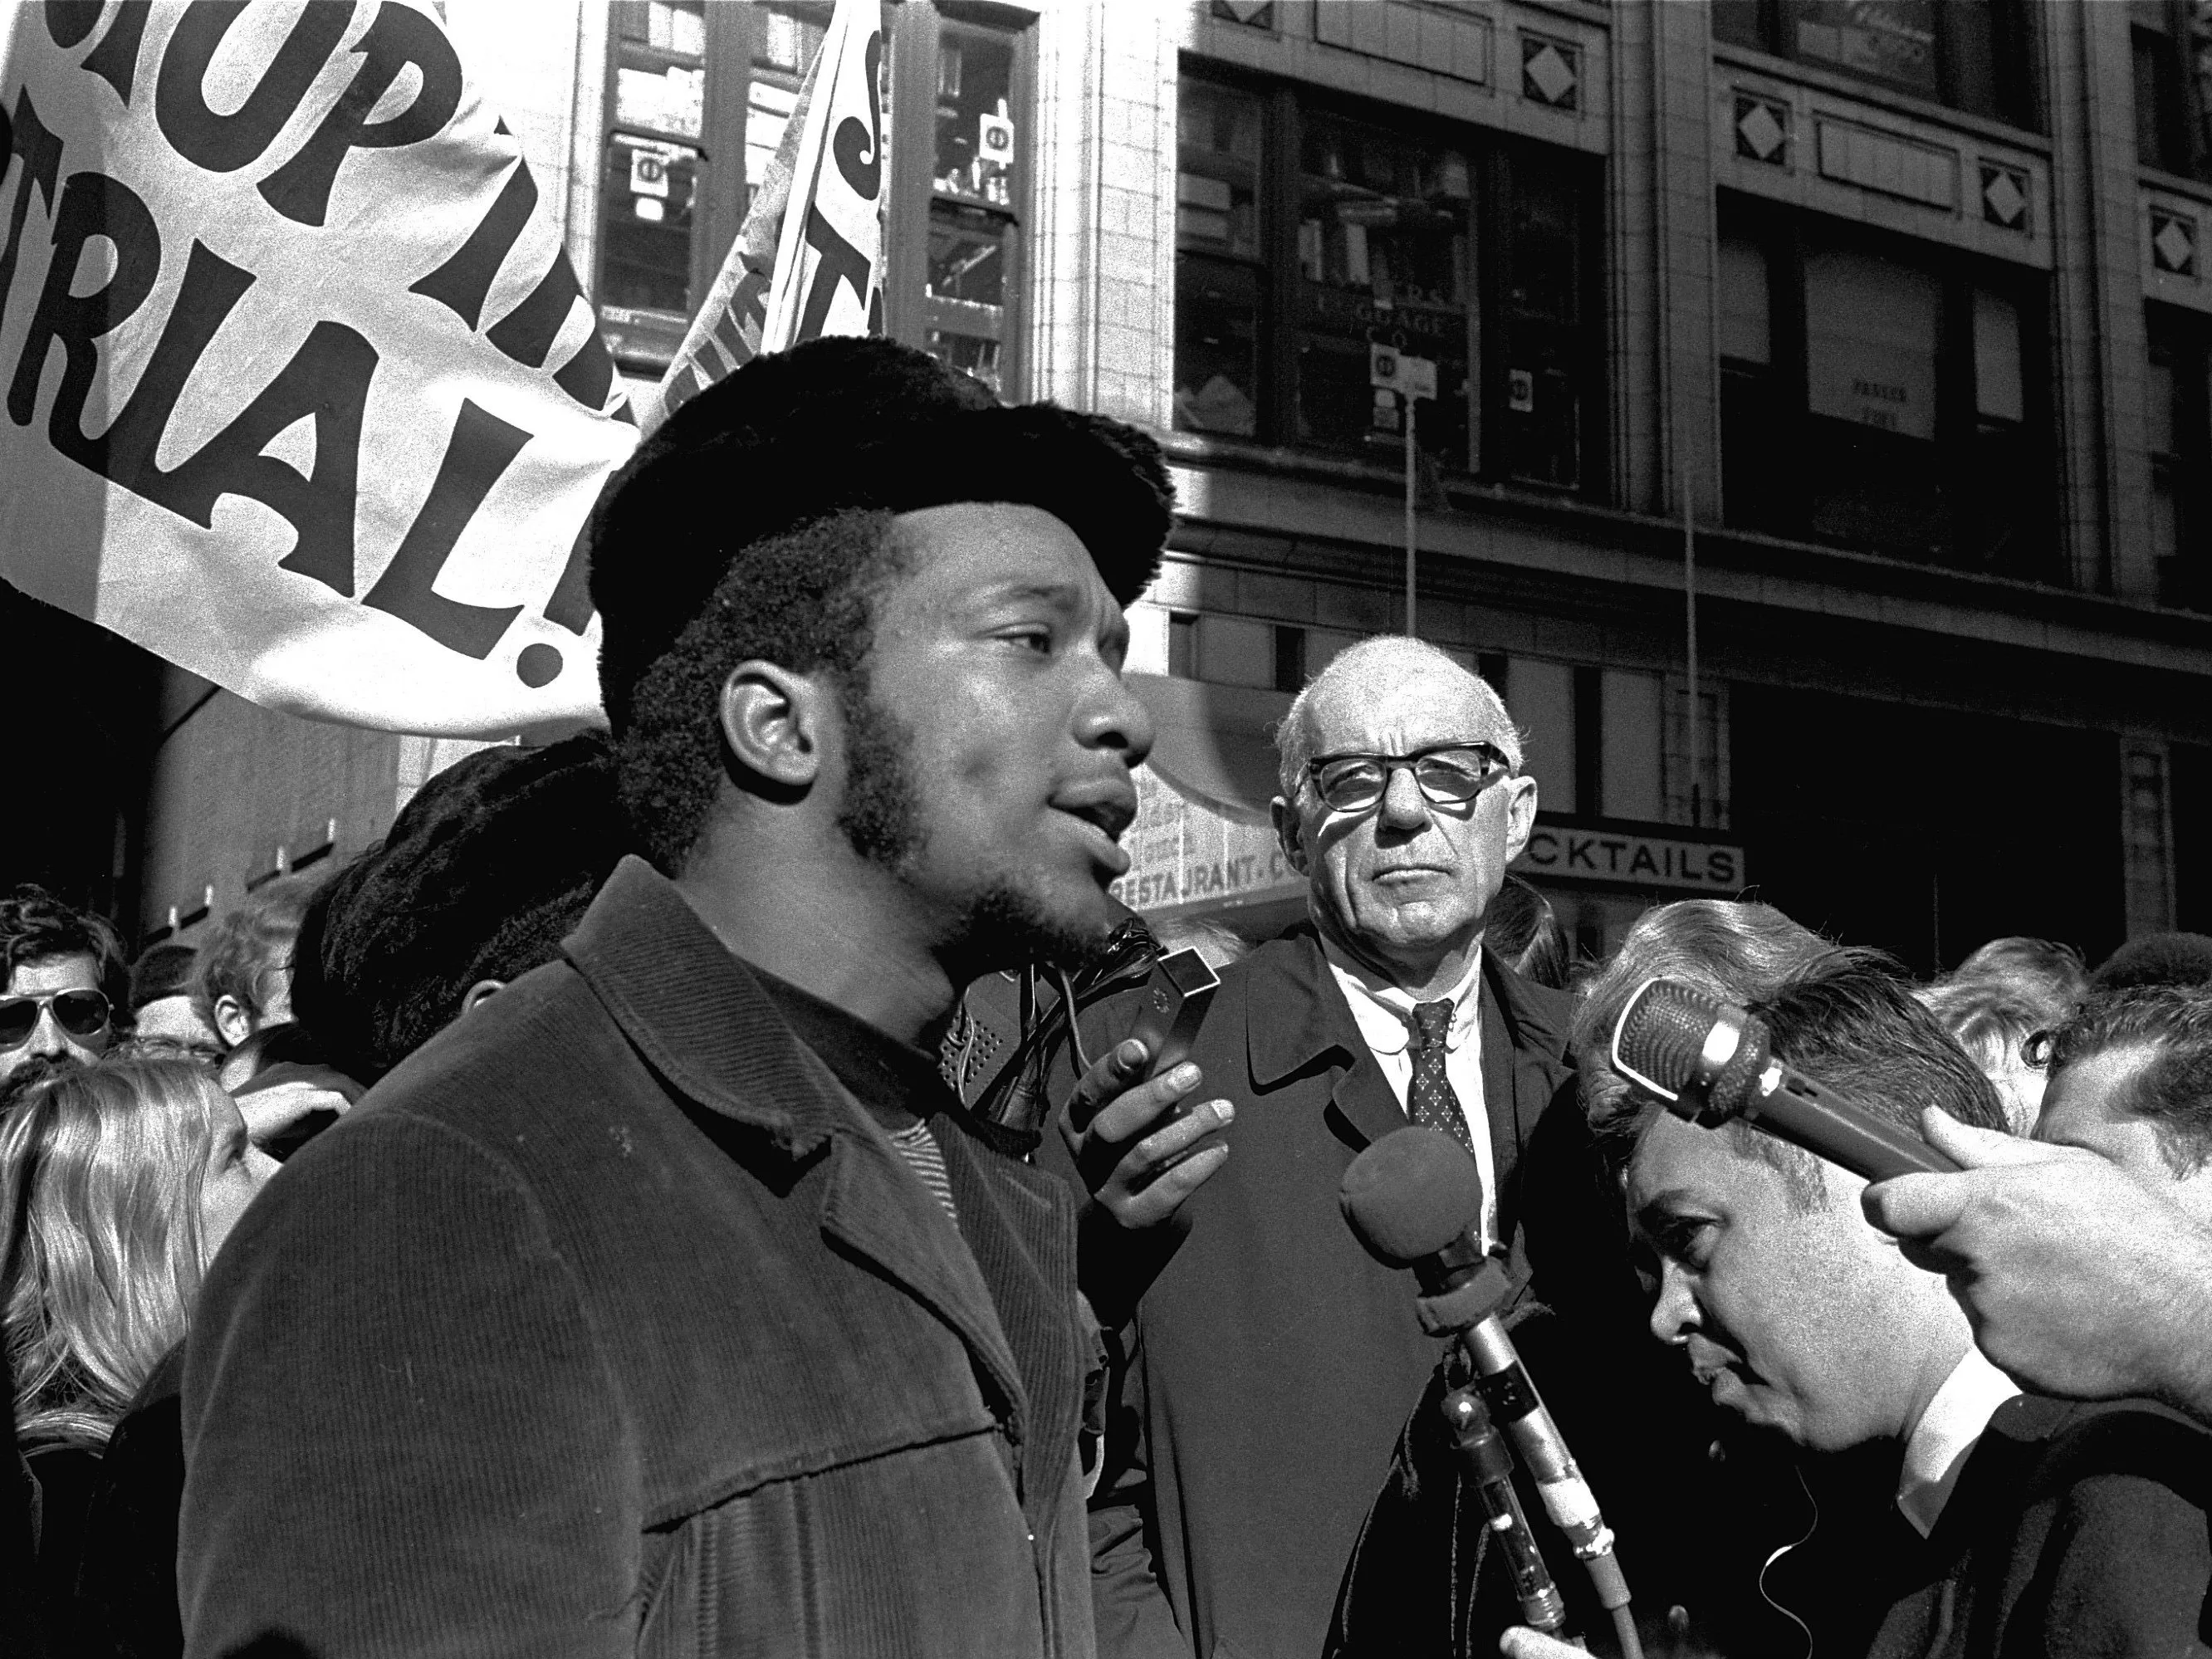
[(1414, 1200), (1709, 1061)]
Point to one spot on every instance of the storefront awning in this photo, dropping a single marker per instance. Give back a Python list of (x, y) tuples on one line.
[(1214, 745), (1202, 839)]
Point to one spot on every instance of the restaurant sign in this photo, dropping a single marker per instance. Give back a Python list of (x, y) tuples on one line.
[(1188, 851)]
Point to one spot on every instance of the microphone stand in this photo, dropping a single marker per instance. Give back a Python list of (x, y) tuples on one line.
[(1489, 1463), (1466, 1312)]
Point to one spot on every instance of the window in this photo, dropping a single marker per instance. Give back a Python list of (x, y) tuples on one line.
[(699, 96), (1308, 231), (651, 183), (1971, 54), (975, 229), (1879, 396), (2178, 422), (2172, 45), (1219, 272)]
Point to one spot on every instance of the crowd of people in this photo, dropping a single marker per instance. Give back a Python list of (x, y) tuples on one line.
[(586, 1223)]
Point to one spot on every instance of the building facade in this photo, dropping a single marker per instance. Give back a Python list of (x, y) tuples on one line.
[(1884, 328)]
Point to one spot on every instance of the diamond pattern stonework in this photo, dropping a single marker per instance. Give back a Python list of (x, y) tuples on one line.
[(2004, 202), (1760, 134), (2173, 239), (1547, 71)]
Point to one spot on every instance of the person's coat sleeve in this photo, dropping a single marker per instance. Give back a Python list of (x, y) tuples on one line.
[(2123, 1569), (1128, 1601), (399, 1435)]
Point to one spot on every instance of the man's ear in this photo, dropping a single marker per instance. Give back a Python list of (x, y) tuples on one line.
[(234, 1020), (1287, 833), (771, 720), (1520, 816)]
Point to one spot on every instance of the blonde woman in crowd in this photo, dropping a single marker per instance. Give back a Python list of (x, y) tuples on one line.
[(117, 1183)]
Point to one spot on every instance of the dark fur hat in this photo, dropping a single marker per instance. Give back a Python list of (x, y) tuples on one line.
[(833, 425), (488, 867), (2156, 959)]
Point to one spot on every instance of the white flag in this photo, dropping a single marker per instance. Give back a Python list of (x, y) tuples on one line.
[(810, 259), (302, 393)]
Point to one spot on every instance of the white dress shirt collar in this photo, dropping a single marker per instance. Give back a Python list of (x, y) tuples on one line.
[(1944, 1437), (1384, 1013)]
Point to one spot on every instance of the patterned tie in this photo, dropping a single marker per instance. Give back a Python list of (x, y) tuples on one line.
[(1435, 1106)]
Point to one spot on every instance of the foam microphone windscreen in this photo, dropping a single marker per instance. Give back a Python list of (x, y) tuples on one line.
[(1410, 1194)]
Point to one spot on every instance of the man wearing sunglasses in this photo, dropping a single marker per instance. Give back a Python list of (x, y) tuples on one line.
[(66, 976), (1272, 1362)]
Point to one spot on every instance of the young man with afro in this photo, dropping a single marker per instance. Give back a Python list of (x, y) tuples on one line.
[(668, 1302)]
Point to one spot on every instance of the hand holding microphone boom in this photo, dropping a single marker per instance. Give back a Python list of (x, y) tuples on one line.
[(1414, 1199), (1709, 1061)]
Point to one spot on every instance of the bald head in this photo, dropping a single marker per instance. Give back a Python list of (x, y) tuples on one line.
[(1388, 668)]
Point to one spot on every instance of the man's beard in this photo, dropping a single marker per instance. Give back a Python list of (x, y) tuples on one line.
[(1004, 924)]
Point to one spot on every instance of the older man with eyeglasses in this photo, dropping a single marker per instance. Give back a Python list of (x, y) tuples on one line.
[(1273, 1363)]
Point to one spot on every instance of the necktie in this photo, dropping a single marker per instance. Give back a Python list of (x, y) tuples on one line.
[(1434, 1104)]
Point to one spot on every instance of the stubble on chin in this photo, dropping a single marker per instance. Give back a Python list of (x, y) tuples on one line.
[(1004, 924), (1007, 926)]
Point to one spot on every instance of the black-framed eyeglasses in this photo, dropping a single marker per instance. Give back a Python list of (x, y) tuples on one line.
[(1448, 774), (82, 1013)]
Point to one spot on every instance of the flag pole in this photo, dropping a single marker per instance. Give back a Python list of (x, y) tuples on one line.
[(1690, 610), (1412, 539)]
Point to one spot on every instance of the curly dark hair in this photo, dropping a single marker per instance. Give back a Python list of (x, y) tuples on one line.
[(36, 927), (804, 599), (2172, 1088), (484, 873)]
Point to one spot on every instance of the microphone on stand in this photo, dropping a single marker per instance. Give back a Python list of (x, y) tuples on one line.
[(1490, 1466), (1709, 1062), (1414, 1200)]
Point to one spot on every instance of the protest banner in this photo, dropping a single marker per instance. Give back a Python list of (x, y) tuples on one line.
[(301, 392), (795, 273)]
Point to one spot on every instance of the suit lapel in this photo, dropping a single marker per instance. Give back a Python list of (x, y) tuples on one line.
[(1502, 1103), (1365, 1100), (1302, 1023), (874, 1210), (1523, 1065), (1022, 1242)]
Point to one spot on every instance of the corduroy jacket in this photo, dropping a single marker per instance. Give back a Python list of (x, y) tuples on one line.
[(610, 1324)]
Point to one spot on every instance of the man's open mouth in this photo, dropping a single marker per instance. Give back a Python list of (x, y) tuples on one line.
[(1110, 812)]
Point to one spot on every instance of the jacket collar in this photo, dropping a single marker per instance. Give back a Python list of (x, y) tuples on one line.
[(1535, 1019), (1306, 1024), (1305, 1015), (1309, 1017), (695, 1011), (1303, 1023)]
